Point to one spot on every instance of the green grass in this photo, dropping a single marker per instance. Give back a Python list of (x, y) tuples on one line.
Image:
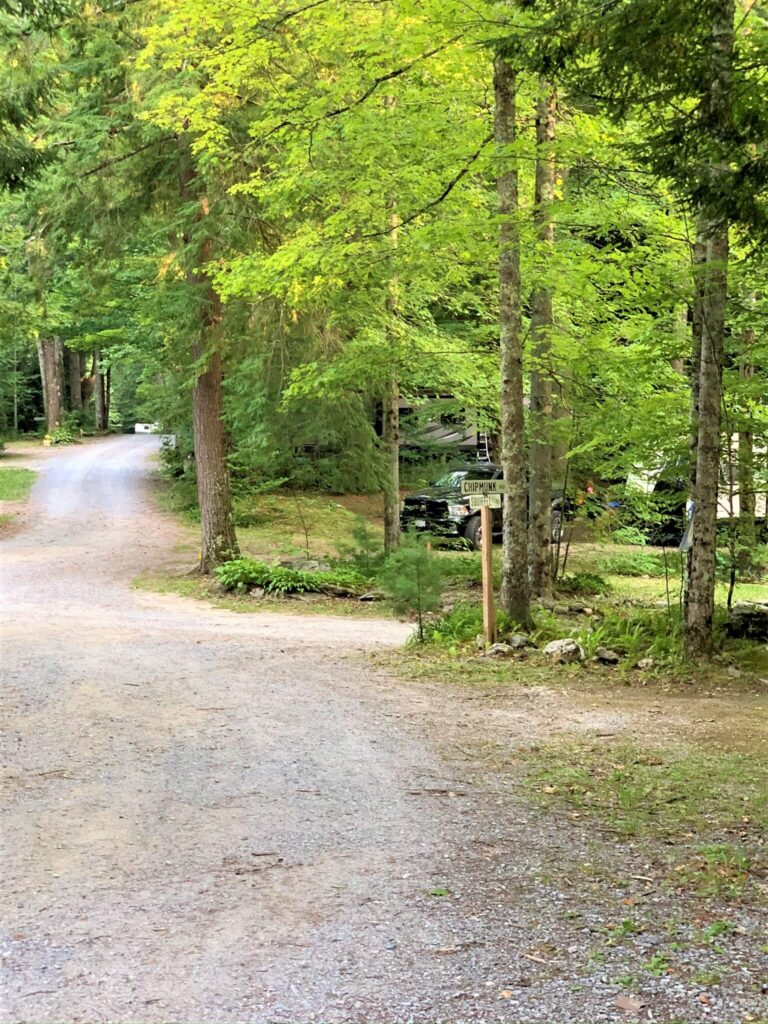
[(283, 523), (637, 791), (709, 808), (15, 484)]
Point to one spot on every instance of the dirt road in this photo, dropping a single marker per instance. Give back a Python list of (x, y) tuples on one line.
[(220, 817)]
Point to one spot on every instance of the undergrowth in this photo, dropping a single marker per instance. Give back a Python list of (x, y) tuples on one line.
[(245, 574)]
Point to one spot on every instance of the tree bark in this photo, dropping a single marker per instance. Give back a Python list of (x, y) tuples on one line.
[(540, 457), (390, 434), (514, 567), (88, 379), (218, 539), (390, 425), (697, 322), (75, 374), (700, 602), (746, 477), (50, 356), (100, 393)]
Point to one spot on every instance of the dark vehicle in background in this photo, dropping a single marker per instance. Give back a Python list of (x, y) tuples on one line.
[(443, 511)]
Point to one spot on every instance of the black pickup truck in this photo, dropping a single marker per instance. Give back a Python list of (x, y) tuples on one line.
[(441, 510)]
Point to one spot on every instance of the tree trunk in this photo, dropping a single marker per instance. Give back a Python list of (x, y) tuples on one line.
[(50, 356), (100, 390), (700, 598), (514, 568), (75, 374), (218, 540), (746, 479), (697, 322), (89, 380), (390, 434), (390, 426), (540, 458)]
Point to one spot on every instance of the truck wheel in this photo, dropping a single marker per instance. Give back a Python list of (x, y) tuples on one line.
[(474, 533)]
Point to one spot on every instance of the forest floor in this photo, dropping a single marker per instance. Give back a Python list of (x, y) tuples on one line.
[(266, 817)]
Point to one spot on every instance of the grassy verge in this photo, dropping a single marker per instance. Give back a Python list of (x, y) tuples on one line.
[(15, 483), (710, 808), (308, 604)]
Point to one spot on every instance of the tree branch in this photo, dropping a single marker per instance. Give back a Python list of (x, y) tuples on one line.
[(125, 156), (380, 80), (443, 195)]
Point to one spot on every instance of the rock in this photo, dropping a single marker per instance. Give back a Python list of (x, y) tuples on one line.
[(567, 650), (304, 564), (748, 622), (257, 593), (499, 651), (733, 672), (519, 641), (645, 663), (607, 656)]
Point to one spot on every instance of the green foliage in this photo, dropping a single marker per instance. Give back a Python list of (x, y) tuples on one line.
[(365, 550), (587, 583), (628, 535), (640, 563), (244, 574), (643, 633), (412, 578), (460, 625), (15, 483), (64, 435)]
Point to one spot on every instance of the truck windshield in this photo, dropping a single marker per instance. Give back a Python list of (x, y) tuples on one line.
[(454, 478)]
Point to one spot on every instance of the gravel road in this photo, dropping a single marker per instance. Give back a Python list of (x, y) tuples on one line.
[(212, 817)]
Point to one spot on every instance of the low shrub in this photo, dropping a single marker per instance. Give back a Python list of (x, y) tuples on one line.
[(464, 569), (365, 550), (64, 435), (646, 633), (583, 583), (412, 578), (459, 625), (628, 535), (639, 563), (244, 574), (463, 624)]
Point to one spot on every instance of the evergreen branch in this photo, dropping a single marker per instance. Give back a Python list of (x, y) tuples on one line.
[(125, 156), (443, 195)]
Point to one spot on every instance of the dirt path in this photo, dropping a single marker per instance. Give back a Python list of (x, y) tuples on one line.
[(220, 817)]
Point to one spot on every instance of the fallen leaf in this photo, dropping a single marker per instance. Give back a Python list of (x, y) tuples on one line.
[(629, 1003), (506, 993)]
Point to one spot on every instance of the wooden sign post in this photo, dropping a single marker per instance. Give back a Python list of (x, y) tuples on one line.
[(489, 602), (486, 495)]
